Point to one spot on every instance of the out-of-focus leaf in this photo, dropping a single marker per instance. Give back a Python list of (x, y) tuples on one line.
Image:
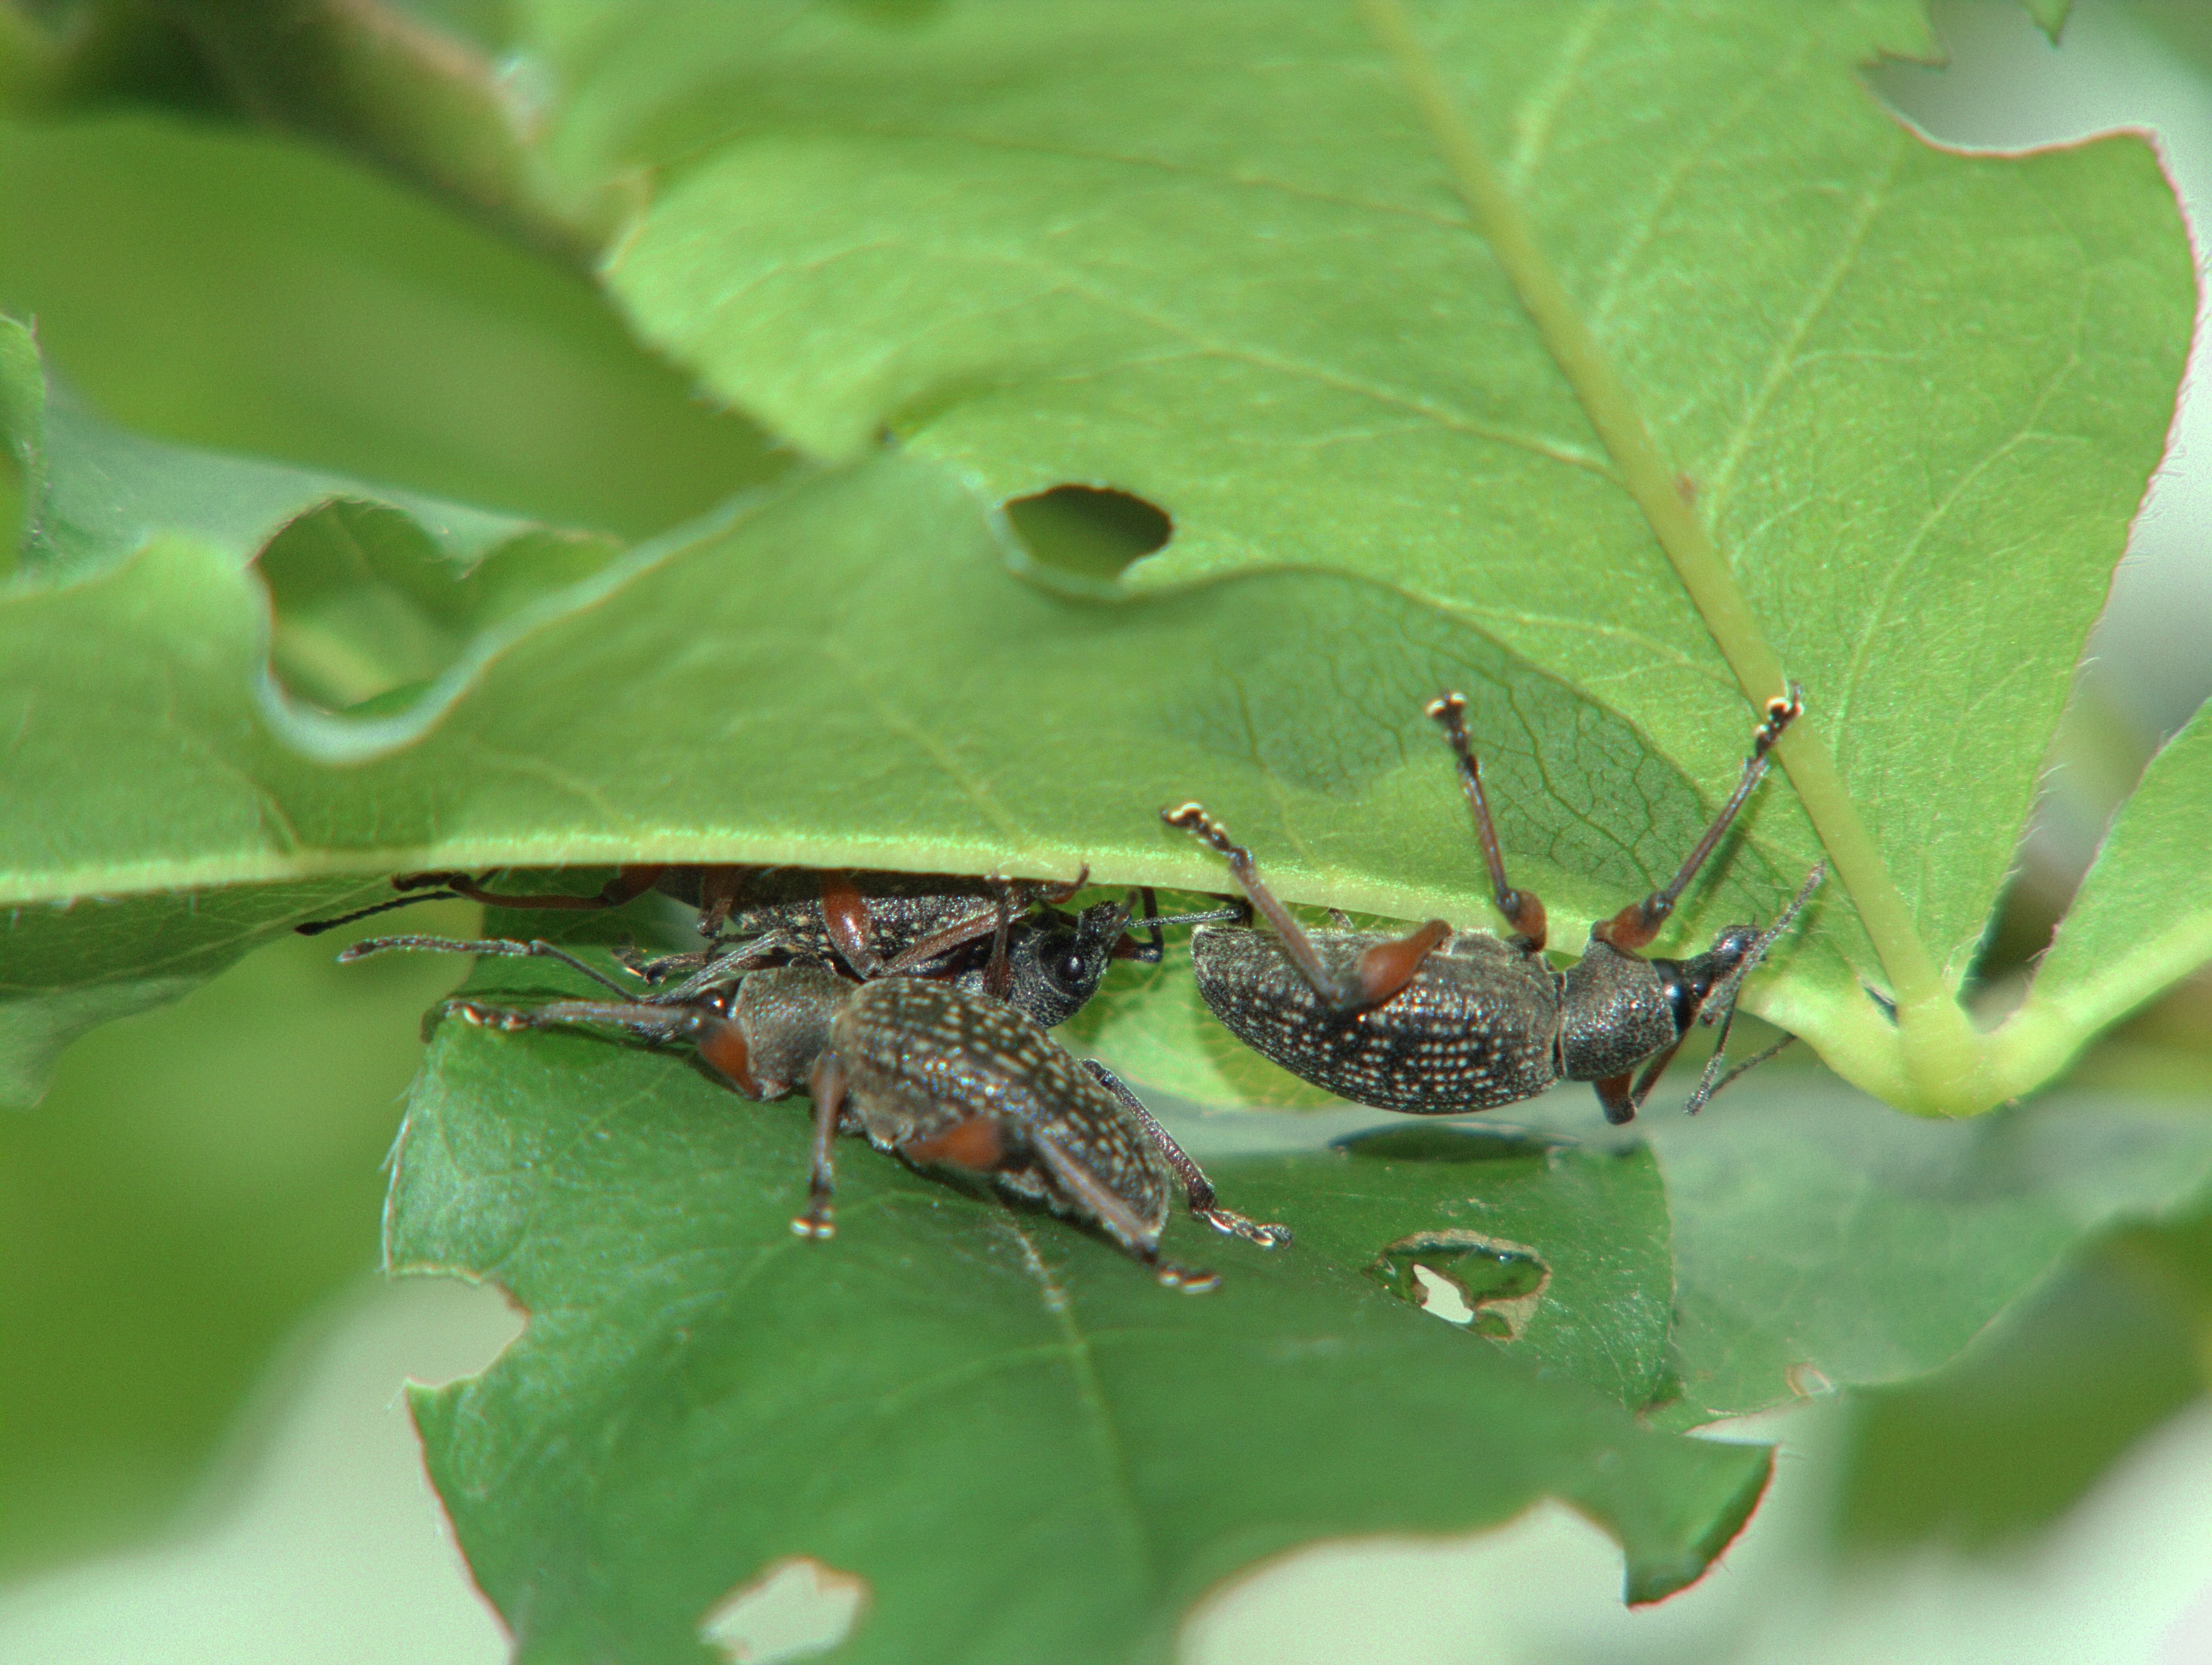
[(67, 967), (1821, 1243), (196, 1183), (237, 291), (2143, 917)]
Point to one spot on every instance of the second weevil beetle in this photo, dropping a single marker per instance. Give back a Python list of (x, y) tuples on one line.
[(1442, 1022), (930, 1071)]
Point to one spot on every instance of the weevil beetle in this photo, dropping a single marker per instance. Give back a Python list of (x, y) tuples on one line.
[(930, 1071), (1441, 1021), (997, 936)]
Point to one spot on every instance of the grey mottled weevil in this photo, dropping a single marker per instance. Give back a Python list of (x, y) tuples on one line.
[(929, 1070), (1442, 1022)]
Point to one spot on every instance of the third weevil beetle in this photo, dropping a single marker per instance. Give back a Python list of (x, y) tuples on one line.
[(932, 1072), (996, 936), (1441, 1021)]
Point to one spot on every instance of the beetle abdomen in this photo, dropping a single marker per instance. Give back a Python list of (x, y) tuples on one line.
[(1479, 1028)]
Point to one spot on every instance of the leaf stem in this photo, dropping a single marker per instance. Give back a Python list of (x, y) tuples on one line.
[(1944, 1056)]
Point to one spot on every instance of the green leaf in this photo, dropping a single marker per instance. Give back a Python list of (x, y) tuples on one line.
[(71, 967), (952, 1383), (2143, 917), (1889, 374), (197, 1183), (1821, 1243), (1558, 1252), (231, 291), (595, 724)]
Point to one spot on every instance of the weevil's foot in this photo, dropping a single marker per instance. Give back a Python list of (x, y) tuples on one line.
[(815, 1224), (486, 1017), (1267, 1233), (1183, 1278)]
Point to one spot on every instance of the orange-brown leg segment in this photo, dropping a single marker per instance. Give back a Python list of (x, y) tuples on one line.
[(1383, 971)]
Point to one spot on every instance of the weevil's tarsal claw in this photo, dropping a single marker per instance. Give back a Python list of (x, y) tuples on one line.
[(1267, 1234), (817, 1224), (1190, 1281)]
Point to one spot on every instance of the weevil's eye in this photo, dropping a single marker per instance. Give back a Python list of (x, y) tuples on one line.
[(1073, 968)]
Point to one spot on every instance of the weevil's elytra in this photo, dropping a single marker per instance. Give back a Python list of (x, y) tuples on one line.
[(1477, 1028), (1440, 1021), (923, 1064)]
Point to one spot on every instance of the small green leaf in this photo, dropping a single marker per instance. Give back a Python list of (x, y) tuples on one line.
[(1821, 1243), (71, 967), (2143, 917)]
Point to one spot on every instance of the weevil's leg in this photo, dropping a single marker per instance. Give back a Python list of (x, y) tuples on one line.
[(845, 916), (495, 946), (1052, 893), (657, 968), (1197, 1188), (1635, 925), (1521, 909), (1707, 1087), (1649, 1078), (827, 1085), (998, 970), (317, 927), (1382, 970), (939, 943), (1616, 1097), (718, 897), (1720, 1000), (1120, 1221), (723, 966), (1153, 952), (648, 1022), (628, 884)]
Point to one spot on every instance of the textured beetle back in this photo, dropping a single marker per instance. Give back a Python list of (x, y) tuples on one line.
[(921, 1057), (1478, 1027), (1617, 1013)]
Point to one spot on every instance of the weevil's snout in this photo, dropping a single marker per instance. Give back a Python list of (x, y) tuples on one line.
[(1689, 982)]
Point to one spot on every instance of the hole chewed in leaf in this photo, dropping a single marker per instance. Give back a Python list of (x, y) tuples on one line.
[(1491, 1286), (796, 1608), (1084, 538), (366, 610)]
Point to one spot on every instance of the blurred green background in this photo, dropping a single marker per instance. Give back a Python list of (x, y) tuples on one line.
[(193, 1210)]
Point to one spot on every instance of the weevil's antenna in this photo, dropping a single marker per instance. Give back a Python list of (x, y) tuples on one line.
[(1719, 1004)]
